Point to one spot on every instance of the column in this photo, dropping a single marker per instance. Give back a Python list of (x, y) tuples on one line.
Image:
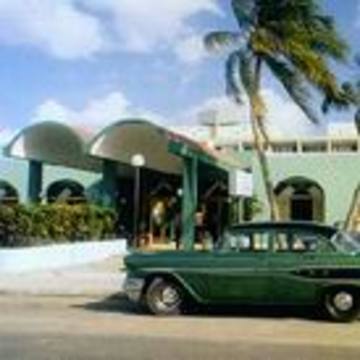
[(189, 202), (35, 181), (110, 183)]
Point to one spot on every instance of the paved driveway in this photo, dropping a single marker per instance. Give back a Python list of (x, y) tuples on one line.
[(94, 328), (99, 278)]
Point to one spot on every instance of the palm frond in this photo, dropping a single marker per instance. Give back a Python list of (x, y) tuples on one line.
[(347, 96), (234, 88), (324, 38), (244, 11), (247, 71), (316, 37), (294, 85), (357, 120), (222, 40), (263, 42), (313, 67), (240, 75), (303, 22)]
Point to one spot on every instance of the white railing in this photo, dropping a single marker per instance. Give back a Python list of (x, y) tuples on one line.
[(302, 146)]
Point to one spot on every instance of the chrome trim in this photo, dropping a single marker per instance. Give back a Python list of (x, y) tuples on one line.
[(133, 288), (344, 301)]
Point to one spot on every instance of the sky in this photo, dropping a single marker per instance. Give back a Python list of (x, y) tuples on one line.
[(93, 62)]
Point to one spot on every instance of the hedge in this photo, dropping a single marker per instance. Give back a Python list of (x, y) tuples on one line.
[(22, 225)]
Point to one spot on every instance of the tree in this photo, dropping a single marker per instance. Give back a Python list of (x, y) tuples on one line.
[(294, 40), (352, 91)]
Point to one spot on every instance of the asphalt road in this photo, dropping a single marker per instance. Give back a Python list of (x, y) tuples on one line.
[(84, 328)]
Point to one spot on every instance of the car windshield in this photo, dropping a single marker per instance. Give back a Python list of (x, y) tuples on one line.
[(343, 242)]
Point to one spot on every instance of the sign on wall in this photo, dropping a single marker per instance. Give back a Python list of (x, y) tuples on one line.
[(241, 183)]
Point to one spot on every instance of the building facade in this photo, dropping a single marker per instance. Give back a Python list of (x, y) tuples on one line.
[(186, 171)]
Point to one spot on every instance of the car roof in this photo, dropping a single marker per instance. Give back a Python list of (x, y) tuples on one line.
[(287, 225)]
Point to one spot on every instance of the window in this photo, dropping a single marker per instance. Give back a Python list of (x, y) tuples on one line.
[(261, 241), (276, 240), (281, 242), (246, 241), (298, 242), (284, 147), (344, 146), (316, 147)]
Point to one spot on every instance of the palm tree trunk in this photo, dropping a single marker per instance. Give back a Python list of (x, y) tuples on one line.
[(350, 218), (263, 133), (261, 141), (259, 145)]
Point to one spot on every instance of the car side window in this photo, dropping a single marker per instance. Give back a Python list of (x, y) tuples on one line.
[(238, 242), (247, 242), (281, 242), (307, 242), (298, 242), (261, 241)]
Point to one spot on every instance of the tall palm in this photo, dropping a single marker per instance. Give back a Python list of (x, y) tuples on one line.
[(352, 91), (294, 40)]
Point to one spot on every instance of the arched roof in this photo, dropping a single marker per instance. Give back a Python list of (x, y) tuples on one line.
[(59, 144), (123, 139), (53, 143), (161, 147)]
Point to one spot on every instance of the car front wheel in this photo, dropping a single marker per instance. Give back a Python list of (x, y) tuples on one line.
[(342, 305), (164, 297)]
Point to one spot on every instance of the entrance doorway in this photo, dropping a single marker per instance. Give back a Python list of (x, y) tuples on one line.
[(302, 207), (300, 199)]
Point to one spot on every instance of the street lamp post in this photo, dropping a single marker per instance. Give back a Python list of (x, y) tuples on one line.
[(137, 161)]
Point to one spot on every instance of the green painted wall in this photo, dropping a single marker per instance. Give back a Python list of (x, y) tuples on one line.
[(54, 173), (336, 174), (16, 173)]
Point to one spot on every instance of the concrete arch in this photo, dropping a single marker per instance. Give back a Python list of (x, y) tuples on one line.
[(301, 198), (53, 143), (8, 193), (123, 139)]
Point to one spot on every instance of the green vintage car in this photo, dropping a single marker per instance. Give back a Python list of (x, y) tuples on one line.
[(255, 263)]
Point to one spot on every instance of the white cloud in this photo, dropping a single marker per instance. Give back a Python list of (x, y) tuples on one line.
[(191, 50), (143, 25), (55, 27), (283, 117), (286, 119), (71, 29), (220, 109), (96, 114)]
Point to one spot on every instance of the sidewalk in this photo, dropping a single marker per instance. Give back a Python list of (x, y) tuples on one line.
[(100, 278)]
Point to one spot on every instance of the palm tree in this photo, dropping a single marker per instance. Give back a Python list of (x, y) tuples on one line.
[(353, 93), (294, 40)]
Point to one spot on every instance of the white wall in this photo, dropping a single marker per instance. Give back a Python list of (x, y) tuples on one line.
[(58, 256)]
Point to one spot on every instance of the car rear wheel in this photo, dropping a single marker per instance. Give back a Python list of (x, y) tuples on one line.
[(342, 305), (164, 297)]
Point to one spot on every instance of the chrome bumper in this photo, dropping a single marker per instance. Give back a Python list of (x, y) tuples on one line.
[(133, 288)]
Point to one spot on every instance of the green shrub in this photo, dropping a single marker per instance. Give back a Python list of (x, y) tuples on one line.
[(54, 223)]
